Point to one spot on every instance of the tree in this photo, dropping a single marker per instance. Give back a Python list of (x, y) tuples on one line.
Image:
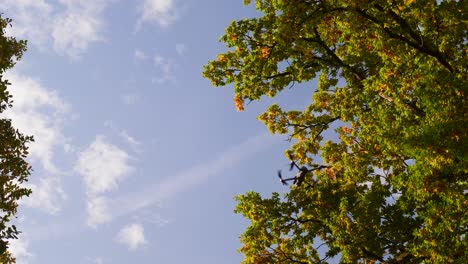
[(14, 169), (391, 83)]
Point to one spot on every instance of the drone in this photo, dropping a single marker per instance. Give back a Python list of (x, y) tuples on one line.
[(298, 179)]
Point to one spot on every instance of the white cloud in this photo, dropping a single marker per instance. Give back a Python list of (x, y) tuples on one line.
[(71, 26), (132, 236), (19, 248), (103, 166), (98, 211), (45, 195), (162, 12), (74, 42), (31, 19), (78, 26), (40, 112)]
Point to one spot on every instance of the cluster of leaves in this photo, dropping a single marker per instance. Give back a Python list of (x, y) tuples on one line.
[(392, 76), (14, 169)]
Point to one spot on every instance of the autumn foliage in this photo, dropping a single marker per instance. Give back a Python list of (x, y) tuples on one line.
[(391, 77)]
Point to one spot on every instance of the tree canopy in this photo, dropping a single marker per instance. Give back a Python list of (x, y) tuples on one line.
[(14, 169), (391, 83)]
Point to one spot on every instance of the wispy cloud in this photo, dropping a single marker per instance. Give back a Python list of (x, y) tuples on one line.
[(134, 144), (162, 12), (132, 236), (40, 112), (102, 166), (173, 185), (166, 67), (151, 217)]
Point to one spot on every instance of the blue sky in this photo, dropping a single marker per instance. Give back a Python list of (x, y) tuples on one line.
[(137, 157)]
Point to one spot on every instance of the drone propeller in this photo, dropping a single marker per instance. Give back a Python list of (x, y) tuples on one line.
[(281, 178), (292, 164)]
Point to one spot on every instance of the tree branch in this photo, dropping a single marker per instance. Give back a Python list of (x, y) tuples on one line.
[(422, 47), (359, 76)]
